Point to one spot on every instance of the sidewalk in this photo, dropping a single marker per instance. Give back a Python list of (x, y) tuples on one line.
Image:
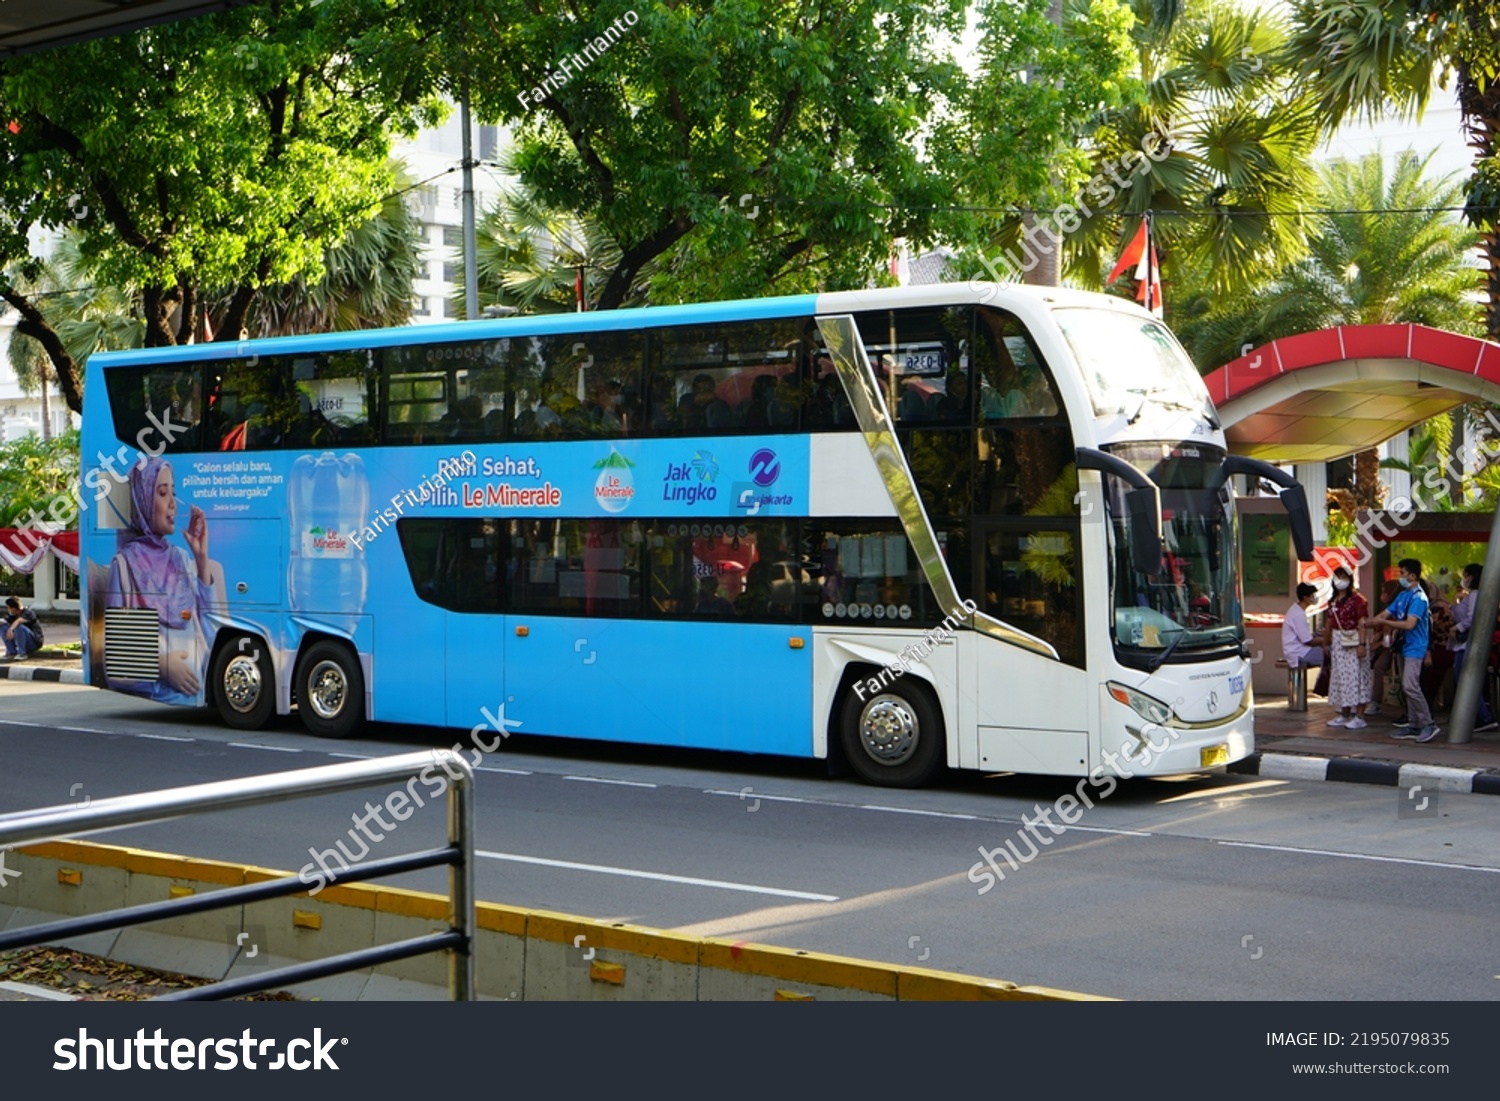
[(51, 663), (1301, 745)]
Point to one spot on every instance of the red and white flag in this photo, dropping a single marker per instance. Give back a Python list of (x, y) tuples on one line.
[(1140, 254)]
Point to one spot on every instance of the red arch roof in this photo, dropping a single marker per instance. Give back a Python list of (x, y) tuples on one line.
[(1323, 395)]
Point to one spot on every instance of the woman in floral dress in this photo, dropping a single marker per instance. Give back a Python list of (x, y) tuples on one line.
[(1349, 686)]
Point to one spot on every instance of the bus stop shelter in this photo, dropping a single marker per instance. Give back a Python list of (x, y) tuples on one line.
[(1315, 397)]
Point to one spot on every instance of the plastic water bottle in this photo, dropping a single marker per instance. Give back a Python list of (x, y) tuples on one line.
[(329, 499)]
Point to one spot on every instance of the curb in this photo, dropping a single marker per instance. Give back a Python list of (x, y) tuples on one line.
[(1359, 770), (41, 673)]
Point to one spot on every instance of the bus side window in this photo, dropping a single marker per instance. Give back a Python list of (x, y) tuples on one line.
[(170, 394), (1014, 382)]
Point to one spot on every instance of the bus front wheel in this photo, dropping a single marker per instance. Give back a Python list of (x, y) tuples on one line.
[(893, 737), (330, 690), (244, 683)]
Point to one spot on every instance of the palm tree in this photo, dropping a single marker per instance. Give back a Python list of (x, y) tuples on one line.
[(366, 284), (86, 317), (1375, 57), (1225, 200), (1386, 253), (531, 256)]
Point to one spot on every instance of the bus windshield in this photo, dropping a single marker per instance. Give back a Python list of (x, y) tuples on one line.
[(1127, 360), (1193, 605)]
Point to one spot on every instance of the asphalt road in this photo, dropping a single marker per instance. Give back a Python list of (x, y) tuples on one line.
[(1217, 887)]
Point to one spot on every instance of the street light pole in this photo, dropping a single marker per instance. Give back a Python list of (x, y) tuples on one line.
[(471, 236)]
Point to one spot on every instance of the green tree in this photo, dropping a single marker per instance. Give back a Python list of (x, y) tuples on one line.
[(1241, 134), (221, 151), (841, 121), (33, 471), (364, 281), (1367, 58), (530, 255)]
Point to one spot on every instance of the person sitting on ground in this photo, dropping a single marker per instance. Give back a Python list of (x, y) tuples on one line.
[(23, 634)]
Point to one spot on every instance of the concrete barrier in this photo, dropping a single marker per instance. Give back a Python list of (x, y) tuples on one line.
[(520, 955)]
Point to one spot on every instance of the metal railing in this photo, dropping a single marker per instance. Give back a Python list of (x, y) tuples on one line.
[(64, 822)]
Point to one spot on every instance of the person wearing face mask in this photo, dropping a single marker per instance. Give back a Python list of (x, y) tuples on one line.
[(1458, 637), (1409, 613), (1349, 686)]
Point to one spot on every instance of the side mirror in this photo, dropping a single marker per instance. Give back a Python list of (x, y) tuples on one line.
[(1294, 500), (1143, 507)]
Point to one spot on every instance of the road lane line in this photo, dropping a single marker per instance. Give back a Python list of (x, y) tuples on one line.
[(1361, 856), (909, 810), (272, 748), (506, 771), (82, 730), (163, 737), (601, 780), (18, 722), (751, 793), (661, 877), (352, 756)]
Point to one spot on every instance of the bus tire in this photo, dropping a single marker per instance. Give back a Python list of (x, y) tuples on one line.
[(330, 690), (244, 683), (893, 737)]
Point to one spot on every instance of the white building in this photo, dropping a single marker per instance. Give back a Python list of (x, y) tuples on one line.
[(435, 158)]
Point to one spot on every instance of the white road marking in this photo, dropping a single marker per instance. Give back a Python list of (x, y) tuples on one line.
[(353, 756), (751, 793), (506, 771), (601, 780), (924, 813), (18, 722), (162, 737), (272, 748), (1361, 856), (82, 730), (661, 877)]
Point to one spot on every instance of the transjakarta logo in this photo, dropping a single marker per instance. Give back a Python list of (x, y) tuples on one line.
[(693, 481), (765, 468)]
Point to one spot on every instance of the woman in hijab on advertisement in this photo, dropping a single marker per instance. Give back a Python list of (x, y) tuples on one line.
[(179, 583)]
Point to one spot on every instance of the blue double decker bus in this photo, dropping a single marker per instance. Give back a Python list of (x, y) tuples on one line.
[(978, 526)]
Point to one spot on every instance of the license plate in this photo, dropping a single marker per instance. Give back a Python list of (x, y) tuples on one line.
[(1214, 755)]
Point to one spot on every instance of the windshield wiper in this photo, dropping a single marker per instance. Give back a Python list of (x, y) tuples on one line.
[(1156, 662)]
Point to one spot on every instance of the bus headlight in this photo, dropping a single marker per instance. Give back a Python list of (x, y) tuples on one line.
[(1147, 707)]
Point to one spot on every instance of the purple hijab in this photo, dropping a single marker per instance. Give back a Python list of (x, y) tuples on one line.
[(149, 571)]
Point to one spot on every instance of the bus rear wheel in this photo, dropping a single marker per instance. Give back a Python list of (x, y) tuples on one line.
[(244, 683), (330, 690), (893, 738)]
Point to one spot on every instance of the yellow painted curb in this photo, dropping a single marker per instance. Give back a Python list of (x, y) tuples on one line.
[(791, 965), (784, 965)]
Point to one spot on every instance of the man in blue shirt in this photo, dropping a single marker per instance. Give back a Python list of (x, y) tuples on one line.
[(1408, 613)]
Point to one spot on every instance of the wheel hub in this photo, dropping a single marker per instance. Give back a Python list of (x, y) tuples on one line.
[(242, 684), (327, 689), (888, 730)]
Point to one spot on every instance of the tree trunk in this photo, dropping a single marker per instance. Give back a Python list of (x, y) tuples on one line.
[(1367, 493), (158, 304), (46, 405), (34, 325)]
